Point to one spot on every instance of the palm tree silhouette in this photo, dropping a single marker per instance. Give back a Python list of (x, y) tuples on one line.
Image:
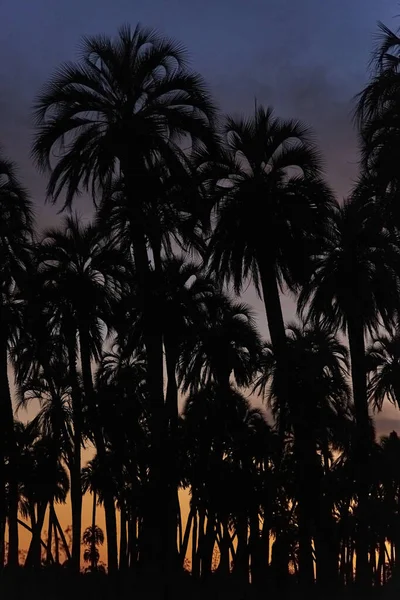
[(16, 223), (127, 106), (275, 202), (383, 356), (353, 286), (377, 115), (318, 399), (92, 537), (88, 273), (43, 479)]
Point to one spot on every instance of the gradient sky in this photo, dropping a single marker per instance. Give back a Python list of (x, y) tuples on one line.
[(307, 59)]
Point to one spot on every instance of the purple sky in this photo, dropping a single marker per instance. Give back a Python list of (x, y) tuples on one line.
[(305, 58)]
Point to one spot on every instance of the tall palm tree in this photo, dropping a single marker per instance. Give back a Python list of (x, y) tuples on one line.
[(354, 286), (127, 106), (377, 114), (82, 277), (273, 213), (16, 222)]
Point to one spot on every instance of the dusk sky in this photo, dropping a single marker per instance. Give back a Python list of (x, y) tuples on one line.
[(307, 59)]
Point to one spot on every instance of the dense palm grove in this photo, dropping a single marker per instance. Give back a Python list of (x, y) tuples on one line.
[(131, 334)]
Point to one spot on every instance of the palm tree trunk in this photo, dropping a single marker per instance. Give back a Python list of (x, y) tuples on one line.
[(195, 551), (242, 551), (185, 541), (224, 545), (49, 556), (170, 451), (362, 443), (108, 493), (25, 526), (154, 546), (8, 448), (93, 548), (61, 533), (33, 558), (201, 539), (75, 459), (56, 538), (277, 332), (132, 539), (208, 546), (123, 545), (255, 548)]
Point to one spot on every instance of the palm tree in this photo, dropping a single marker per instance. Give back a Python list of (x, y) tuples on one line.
[(92, 481), (43, 480), (318, 400), (92, 537), (272, 215), (125, 107), (224, 346), (383, 356), (390, 481), (16, 222), (377, 115), (121, 384), (82, 277), (354, 287)]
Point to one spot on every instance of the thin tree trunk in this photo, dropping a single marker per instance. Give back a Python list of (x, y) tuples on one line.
[(195, 552), (223, 567), (123, 546), (242, 551), (7, 448), (208, 546), (277, 332), (49, 556), (255, 548), (132, 539), (93, 548), (170, 451), (362, 444), (185, 541), (56, 538), (62, 536), (75, 465), (33, 558), (201, 539)]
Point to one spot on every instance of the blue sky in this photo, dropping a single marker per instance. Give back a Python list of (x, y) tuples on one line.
[(306, 58)]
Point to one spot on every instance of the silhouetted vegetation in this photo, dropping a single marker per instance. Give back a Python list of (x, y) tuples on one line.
[(130, 335)]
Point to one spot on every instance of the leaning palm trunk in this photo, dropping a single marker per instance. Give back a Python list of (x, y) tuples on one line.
[(276, 327), (362, 445), (58, 530), (109, 503), (33, 558)]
